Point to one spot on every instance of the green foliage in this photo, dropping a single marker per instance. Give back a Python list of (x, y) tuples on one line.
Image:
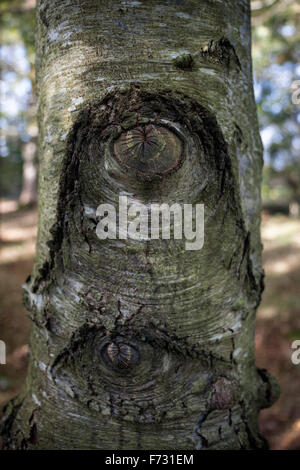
[(276, 47), (17, 23)]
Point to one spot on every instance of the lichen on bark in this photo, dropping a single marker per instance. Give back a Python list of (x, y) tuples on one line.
[(143, 344)]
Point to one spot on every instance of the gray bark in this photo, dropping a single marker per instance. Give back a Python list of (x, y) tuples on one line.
[(183, 321)]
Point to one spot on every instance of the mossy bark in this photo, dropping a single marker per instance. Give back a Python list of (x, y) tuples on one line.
[(185, 319)]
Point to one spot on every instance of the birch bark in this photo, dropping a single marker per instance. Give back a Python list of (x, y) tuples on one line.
[(144, 345)]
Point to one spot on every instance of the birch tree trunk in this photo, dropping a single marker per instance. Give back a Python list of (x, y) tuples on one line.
[(144, 344)]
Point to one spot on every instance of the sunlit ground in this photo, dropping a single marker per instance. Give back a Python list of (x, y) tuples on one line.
[(18, 234), (278, 321), (278, 325)]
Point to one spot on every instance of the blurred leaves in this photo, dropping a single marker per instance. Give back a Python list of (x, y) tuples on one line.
[(17, 22), (276, 54), (18, 114)]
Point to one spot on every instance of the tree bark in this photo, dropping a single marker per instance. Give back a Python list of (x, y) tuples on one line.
[(143, 344)]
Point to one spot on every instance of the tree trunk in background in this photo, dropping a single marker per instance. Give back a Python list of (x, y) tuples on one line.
[(143, 344), (29, 179), (29, 151)]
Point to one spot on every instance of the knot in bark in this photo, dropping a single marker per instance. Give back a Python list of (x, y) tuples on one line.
[(149, 149), (120, 355)]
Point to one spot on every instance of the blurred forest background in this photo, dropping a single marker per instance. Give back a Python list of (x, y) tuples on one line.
[(276, 54)]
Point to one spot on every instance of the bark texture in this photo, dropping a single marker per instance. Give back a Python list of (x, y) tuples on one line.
[(143, 344)]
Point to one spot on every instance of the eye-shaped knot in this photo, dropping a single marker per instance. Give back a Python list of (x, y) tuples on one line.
[(120, 355), (149, 149)]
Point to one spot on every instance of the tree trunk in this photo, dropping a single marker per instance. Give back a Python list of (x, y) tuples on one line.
[(142, 344)]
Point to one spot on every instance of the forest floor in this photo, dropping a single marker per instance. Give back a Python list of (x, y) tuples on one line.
[(278, 325), (278, 320)]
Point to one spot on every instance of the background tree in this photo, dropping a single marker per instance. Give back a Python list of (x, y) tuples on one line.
[(277, 73), (144, 345), (18, 108)]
